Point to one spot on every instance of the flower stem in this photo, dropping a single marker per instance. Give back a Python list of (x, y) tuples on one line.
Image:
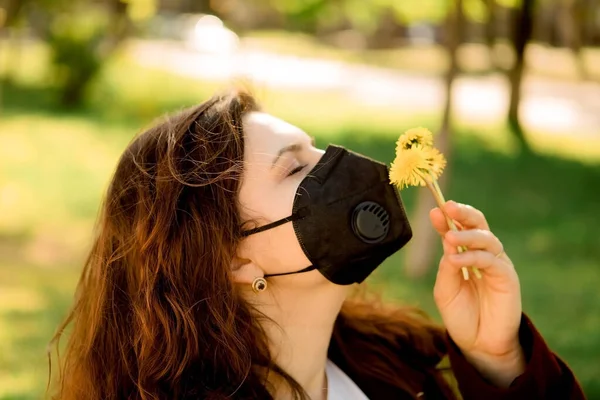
[(434, 187)]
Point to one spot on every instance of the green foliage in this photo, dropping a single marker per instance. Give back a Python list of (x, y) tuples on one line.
[(423, 10), (475, 10), (297, 7), (302, 14), (510, 3), (362, 15), (365, 16), (75, 44), (141, 10), (82, 35)]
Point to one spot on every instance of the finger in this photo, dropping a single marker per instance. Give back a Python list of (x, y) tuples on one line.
[(475, 239), (448, 283), (439, 226), (469, 217), (438, 220), (484, 260), (449, 248)]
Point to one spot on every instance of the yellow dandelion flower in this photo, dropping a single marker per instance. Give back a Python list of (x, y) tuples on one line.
[(417, 163), (415, 136), (436, 161), (410, 167)]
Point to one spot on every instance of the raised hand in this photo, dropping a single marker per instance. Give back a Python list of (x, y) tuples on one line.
[(482, 316)]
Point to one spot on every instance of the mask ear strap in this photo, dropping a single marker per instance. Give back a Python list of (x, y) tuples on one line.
[(312, 267), (303, 212), (269, 226)]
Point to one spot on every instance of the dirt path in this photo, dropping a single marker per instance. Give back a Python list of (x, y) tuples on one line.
[(548, 106)]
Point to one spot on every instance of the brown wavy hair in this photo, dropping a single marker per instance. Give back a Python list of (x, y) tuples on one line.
[(156, 313)]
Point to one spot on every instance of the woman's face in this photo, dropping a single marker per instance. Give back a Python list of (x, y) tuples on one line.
[(277, 157)]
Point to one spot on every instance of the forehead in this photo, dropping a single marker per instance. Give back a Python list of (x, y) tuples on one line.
[(267, 133)]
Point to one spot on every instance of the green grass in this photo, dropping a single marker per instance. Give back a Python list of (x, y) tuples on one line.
[(33, 300), (55, 165)]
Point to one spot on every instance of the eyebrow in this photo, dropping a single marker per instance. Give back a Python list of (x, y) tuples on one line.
[(293, 148)]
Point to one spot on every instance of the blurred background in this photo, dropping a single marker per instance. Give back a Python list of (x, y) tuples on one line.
[(510, 87)]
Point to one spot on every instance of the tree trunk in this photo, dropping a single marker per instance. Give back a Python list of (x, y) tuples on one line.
[(13, 9), (588, 22), (119, 28), (522, 29), (490, 31), (578, 22), (545, 23), (420, 254)]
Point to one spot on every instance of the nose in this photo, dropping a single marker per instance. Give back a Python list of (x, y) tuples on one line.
[(316, 155)]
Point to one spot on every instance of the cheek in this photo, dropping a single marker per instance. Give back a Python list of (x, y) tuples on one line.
[(263, 201), (276, 250)]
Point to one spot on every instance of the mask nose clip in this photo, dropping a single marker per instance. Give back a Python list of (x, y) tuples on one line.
[(370, 222)]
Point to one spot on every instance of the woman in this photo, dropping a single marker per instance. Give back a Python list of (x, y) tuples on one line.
[(226, 248)]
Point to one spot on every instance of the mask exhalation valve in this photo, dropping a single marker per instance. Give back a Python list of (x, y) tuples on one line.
[(370, 222)]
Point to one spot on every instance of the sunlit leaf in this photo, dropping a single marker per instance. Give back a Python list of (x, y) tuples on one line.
[(140, 10), (475, 10)]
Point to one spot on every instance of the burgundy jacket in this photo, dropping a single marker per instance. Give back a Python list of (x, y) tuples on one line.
[(545, 377)]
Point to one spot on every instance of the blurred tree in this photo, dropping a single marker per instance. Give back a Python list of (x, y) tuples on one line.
[(10, 12), (304, 15), (591, 22), (379, 21), (74, 44), (521, 33), (82, 35), (490, 30), (420, 257), (571, 23), (390, 29)]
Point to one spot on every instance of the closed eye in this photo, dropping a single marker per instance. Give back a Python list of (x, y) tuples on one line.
[(296, 170)]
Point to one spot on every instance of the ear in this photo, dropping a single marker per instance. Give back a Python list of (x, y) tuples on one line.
[(244, 271)]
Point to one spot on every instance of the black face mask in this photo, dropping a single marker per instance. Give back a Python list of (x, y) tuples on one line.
[(347, 217)]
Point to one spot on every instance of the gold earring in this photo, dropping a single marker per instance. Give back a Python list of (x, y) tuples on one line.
[(259, 285)]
